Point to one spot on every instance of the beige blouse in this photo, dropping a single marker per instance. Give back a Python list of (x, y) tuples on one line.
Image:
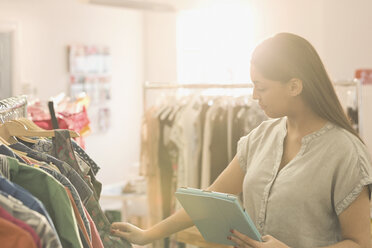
[(300, 204)]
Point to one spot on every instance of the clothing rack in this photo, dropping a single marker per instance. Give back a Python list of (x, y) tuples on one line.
[(13, 108), (356, 84), (150, 85), (174, 86)]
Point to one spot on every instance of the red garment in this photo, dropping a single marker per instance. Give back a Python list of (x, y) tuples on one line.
[(12, 236), (96, 239), (72, 121)]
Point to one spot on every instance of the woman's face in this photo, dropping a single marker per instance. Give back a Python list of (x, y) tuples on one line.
[(273, 96)]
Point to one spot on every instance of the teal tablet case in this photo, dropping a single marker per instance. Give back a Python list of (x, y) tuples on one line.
[(215, 214)]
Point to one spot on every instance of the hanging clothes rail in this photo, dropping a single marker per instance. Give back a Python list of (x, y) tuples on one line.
[(168, 86), (150, 85)]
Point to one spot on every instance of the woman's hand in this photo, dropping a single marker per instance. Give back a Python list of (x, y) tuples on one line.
[(130, 232), (242, 241)]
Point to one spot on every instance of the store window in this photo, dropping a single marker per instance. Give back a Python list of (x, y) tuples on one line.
[(214, 44)]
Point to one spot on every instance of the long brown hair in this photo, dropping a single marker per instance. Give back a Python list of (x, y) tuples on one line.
[(286, 56)]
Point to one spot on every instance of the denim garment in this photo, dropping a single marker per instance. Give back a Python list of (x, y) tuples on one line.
[(8, 152), (65, 182), (48, 236), (82, 188), (51, 193), (62, 149), (95, 168), (87, 243), (48, 147), (92, 205)]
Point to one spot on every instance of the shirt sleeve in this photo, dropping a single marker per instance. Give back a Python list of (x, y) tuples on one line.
[(350, 179)]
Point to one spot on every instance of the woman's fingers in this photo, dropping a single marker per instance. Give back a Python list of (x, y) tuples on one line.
[(266, 238), (122, 226), (120, 233), (239, 243), (242, 240), (116, 225)]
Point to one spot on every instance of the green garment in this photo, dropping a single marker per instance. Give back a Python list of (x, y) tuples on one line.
[(54, 197)]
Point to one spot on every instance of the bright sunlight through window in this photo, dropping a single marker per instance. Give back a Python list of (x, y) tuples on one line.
[(214, 44)]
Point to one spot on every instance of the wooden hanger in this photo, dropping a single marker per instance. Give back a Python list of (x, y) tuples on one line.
[(29, 124), (24, 156), (4, 142), (11, 129)]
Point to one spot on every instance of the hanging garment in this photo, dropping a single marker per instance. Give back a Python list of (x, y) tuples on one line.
[(50, 192), (82, 230), (95, 168), (237, 129), (149, 167), (8, 152), (167, 161), (91, 203), (85, 192), (25, 197), (74, 194), (207, 139), (218, 146), (104, 226), (12, 236), (5, 215), (80, 185), (186, 134), (62, 149), (96, 239), (35, 220)]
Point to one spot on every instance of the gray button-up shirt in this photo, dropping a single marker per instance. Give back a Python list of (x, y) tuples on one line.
[(300, 204)]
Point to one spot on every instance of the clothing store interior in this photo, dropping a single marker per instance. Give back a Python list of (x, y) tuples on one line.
[(108, 108)]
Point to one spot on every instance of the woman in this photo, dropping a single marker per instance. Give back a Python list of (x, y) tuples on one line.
[(305, 175)]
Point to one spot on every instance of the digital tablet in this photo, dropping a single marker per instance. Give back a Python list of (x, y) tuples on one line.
[(215, 214)]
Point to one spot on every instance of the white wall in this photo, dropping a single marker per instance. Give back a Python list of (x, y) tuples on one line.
[(160, 46), (339, 30), (46, 27), (347, 37)]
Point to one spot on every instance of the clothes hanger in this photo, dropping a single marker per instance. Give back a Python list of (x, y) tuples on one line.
[(15, 129), (4, 142), (5, 137), (30, 125), (24, 156)]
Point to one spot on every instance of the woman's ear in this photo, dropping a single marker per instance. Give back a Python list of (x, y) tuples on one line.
[(295, 86)]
